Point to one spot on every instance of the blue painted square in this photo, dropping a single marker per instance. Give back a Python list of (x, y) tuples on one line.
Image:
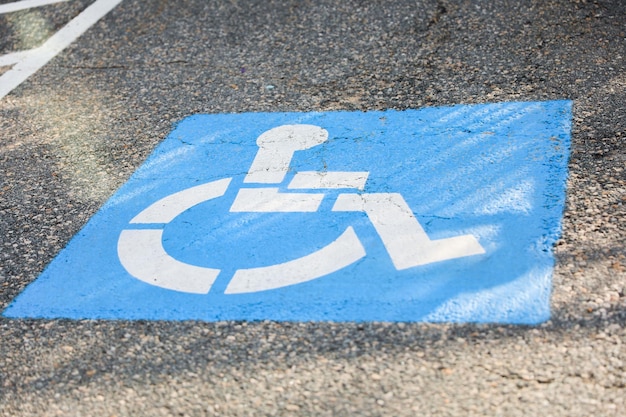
[(495, 172)]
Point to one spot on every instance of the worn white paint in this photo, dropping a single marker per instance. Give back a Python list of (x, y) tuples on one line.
[(344, 251), (141, 252), (31, 62), (404, 238), (328, 179), (276, 149), (167, 208), (15, 57), (25, 4), (269, 200)]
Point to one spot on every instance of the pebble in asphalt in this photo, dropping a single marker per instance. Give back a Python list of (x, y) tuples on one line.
[(78, 128)]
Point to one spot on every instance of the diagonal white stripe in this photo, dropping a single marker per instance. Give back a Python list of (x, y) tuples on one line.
[(25, 4), (57, 42), (15, 57)]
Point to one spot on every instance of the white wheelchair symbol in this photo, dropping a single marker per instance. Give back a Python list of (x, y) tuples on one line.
[(142, 254)]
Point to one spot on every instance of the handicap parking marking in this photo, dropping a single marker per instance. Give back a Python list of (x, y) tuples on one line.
[(26, 63), (438, 214)]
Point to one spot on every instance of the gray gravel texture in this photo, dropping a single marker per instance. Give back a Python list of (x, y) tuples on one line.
[(78, 128)]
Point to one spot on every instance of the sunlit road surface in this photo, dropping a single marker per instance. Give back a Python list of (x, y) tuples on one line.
[(84, 113)]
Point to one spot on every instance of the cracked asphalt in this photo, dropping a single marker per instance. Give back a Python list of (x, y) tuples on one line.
[(77, 129)]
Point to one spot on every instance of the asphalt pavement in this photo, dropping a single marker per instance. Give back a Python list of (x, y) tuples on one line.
[(74, 132)]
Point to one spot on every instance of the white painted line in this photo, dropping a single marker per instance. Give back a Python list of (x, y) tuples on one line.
[(269, 200), (25, 4), (328, 179), (15, 57), (55, 44), (404, 238), (344, 251), (142, 254), (167, 208)]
